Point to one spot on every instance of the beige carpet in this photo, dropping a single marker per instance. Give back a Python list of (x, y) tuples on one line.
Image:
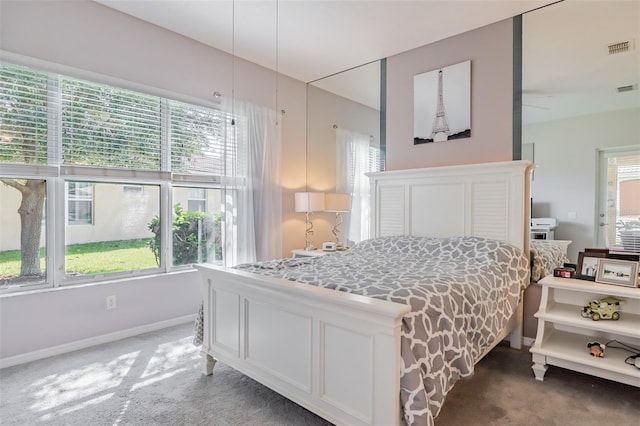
[(155, 379)]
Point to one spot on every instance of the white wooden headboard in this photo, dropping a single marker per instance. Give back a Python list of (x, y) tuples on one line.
[(490, 200)]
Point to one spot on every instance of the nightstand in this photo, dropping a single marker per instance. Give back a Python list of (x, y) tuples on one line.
[(563, 333), (309, 253)]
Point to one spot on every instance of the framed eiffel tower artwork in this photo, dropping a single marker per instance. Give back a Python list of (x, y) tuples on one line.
[(442, 104)]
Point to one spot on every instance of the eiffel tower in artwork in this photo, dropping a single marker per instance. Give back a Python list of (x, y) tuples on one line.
[(440, 124)]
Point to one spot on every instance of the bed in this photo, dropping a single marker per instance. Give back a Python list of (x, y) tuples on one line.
[(346, 354)]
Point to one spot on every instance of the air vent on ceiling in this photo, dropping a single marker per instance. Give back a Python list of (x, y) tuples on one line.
[(627, 88), (621, 47)]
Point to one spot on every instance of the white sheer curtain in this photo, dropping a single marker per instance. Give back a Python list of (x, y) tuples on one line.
[(257, 204), (352, 162)]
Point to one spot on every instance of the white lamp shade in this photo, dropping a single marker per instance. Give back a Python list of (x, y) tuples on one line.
[(337, 202), (309, 201)]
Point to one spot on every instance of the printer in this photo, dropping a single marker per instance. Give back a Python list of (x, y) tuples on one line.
[(542, 228)]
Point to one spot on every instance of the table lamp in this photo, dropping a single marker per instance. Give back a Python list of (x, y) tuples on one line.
[(337, 203), (309, 202)]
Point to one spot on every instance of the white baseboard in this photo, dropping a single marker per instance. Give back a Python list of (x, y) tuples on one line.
[(528, 341), (92, 341)]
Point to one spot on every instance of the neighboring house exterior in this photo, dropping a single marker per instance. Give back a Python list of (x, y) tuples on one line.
[(107, 213)]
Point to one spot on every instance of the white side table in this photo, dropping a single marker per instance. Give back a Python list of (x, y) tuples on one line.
[(563, 333), (309, 253)]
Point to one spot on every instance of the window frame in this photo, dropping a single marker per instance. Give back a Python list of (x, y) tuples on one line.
[(97, 175), (202, 201), (226, 228), (56, 174)]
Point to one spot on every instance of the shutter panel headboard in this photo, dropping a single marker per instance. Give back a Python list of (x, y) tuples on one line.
[(490, 200)]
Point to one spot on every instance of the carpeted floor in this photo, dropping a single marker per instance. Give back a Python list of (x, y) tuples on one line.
[(155, 379)]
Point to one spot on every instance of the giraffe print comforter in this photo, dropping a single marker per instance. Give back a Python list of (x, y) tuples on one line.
[(462, 291)]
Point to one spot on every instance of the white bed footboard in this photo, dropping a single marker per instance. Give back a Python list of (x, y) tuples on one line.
[(328, 351)]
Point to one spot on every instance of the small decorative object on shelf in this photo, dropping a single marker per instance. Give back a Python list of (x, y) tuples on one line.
[(596, 349), (329, 246), (605, 308), (588, 263), (564, 272)]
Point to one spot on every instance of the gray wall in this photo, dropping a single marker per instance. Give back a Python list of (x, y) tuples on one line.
[(490, 50)]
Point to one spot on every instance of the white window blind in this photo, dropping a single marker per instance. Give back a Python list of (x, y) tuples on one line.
[(105, 126), (622, 173), (376, 163), (109, 127), (199, 142), (23, 115)]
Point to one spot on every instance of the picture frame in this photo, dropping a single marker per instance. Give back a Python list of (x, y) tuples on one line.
[(442, 104), (587, 266), (617, 272), (597, 250), (634, 257)]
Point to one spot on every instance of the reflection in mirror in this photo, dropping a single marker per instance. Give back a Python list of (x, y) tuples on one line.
[(344, 142), (580, 98)]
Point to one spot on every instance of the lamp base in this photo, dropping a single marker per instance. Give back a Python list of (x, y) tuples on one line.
[(310, 248)]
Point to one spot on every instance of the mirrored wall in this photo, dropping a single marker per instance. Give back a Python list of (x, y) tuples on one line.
[(348, 101), (580, 98)]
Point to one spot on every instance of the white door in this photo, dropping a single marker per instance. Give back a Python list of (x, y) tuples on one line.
[(619, 199)]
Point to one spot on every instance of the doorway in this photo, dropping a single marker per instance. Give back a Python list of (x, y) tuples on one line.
[(619, 199)]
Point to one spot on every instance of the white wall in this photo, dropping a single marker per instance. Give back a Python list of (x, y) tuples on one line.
[(565, 178), (40, 322), (83, 36)]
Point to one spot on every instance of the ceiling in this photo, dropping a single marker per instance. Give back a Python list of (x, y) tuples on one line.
[(318, 38), (566, 66), (567, 70)]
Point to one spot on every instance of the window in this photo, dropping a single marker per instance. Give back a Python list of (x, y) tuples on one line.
[(120, 232), (620, 191), (112, 155), (79, 203), (376, 161), (197, 201), (132, 189), (197, 231), (198, 141), (24, 115), (356, 156), (105, 126)]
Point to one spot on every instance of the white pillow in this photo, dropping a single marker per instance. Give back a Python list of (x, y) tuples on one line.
[(546, 255)]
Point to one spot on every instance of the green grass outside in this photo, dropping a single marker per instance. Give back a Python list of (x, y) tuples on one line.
[(91, 259)]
